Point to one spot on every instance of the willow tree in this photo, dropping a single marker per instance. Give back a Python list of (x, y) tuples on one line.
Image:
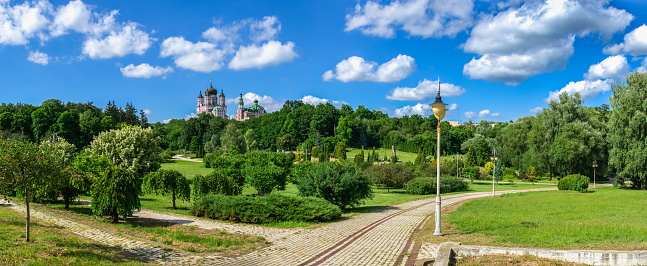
[(168, 182), (628, 130)]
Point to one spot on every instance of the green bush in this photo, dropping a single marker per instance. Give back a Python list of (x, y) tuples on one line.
[(420, 186), (389, 175), (471, 172), (167, 154), (509, 172), (217, 182), (575, 182), (341, 184), (426, 185), (267, 209)]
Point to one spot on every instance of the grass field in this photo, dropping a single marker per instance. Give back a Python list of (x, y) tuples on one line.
[(605, 218), (52, 246), (402, 156), (188, 168)]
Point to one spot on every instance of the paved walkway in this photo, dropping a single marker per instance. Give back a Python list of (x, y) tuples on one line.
[(376, 238), (177, 157)]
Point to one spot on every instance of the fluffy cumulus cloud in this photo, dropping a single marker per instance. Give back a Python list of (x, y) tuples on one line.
[(269, 103), (356, 68), (424, 18), (313, 100), (470, 115), (535, 110), (126, 40), (200, 56), (227, 43), (536, 37), (452, 107), (270, 53), (144, 71), (418, 109), (635, 43), (486, 113), (38, 58), (599, 79), (614, 67), (19, 23), (104, 36), (425, 91), (588, 89)]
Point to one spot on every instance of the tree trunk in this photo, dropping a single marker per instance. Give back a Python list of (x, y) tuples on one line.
[(173, 195), (115, 215), (28, 216), (66, 198)]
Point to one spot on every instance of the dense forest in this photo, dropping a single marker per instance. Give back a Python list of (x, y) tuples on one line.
[(564, 138)]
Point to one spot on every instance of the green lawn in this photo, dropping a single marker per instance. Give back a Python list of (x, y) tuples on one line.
[(605, 218), (188, 168), (402, 156), (52, 246)]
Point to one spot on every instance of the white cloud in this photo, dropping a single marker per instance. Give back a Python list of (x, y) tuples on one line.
[(615, 67), (418, 109), (264, 30), (338, 103), (470, 115), (453, 107), (495, 115), (535, 110), (425, 91), (20, 22), (38, 58), (484, 113), (144, 71), (200, 56), (128, 40), (73, 16), (312, 100), (356, 68), (643, 68), (424, 18), (270, 53), (269, 103), (635, 43), (588, 89), (536, 37), (147, 111)]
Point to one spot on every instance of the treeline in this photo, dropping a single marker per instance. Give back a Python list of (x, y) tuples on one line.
[(300, 126), (78, 123)]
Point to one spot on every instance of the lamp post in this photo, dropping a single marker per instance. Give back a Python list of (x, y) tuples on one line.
[(595, 165), (438, 107), (494, 158)]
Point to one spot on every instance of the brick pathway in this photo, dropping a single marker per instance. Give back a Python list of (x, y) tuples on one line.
[(377, 238)]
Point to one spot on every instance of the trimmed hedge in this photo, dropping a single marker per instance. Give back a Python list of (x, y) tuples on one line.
[(427, 185), (266, 209), (575, 182)]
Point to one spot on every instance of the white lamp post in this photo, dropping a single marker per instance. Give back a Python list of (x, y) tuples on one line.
[(438, 107), (595, 165), (494, 158)]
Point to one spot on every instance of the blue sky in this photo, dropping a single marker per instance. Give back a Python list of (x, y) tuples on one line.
[(496, 60)]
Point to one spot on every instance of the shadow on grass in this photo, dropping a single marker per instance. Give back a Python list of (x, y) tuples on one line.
[(148, 222), (178, 208), (370, 209)]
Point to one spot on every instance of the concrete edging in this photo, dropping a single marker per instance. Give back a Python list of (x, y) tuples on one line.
[(592, 257)]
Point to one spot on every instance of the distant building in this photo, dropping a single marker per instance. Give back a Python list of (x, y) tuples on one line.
[(454, 123), (213, 103), (247, 113)]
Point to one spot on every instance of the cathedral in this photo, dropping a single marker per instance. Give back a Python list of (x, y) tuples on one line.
[(214, 104)]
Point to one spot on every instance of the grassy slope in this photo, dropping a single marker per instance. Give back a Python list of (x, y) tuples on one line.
[(51, 246), (606, 218)]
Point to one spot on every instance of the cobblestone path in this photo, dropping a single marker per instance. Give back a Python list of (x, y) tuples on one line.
[(377, 238)]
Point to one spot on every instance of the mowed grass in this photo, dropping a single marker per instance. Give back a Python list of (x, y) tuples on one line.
[(606, 218), (52, 246), (188, 168)]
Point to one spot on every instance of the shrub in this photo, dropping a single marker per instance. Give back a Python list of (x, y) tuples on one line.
[(389, 175), (268, 209), (509, 172), (167, 154), (420, 186), (471, 172), (216, 182), (266, 171), (341, 184), (426, 185), (575, 182)]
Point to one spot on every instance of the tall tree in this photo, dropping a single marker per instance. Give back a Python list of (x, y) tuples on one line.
[(116, 192), (628, 130), (232, 137), (22, 168)]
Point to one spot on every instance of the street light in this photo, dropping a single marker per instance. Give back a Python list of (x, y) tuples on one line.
[(438, 107), (493, 158), (595, 165)]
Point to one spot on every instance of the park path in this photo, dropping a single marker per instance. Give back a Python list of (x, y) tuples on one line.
[(178, 157), (382, 237)]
